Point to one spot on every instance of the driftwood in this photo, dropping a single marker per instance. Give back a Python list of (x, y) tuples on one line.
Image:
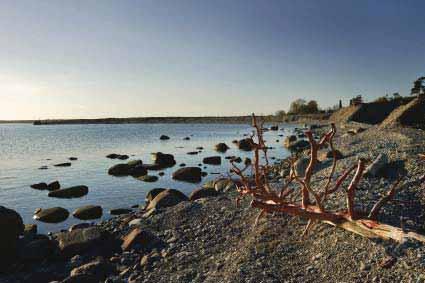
[(308, 202)]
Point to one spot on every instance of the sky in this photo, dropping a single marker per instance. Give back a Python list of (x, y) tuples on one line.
[(89, 59)]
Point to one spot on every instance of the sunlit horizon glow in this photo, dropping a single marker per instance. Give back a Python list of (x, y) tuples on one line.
[(97, 59)]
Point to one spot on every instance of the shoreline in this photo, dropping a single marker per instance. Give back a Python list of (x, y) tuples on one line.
[(210, 238)]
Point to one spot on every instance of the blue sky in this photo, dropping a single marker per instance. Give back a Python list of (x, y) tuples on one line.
[(86, 59)]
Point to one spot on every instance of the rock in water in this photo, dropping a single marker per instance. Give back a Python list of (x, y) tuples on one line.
[(119, 211), (212, 160), (377, 165), (202, 193), (66, 164), (221, 147), (148, 178), (72, 192), (299, 145), (53, 186), (245, 144), (167, 198), (164, 160), (11, 226), (164, 137), (120, 170), (88, 212), (188, 174), (39, 186), (52, 215)]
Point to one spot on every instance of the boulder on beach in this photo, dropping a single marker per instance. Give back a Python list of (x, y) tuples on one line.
[(153, 193), (79, 226), (169, 197), (212, 160), (52, 215), (36, 250), (39, 186), (221, 147), (164, 137), (72, 192), (202, 193), (53, 186), (30, 229), (88, 212), (11, 226), (94, 271), (224, 185), (81, 240), (245, 144), (66, 164), (376, 166), (141, 239), (338, 154), (188, 174)]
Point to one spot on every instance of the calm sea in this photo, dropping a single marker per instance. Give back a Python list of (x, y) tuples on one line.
[(24, 148)]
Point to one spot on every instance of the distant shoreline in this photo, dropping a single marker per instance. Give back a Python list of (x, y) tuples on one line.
[(147, 120), (173, 120)]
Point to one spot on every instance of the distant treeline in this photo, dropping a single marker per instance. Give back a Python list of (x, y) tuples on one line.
[(140, 120)]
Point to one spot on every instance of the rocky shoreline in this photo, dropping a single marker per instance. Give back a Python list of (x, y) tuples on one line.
[(206, 237)]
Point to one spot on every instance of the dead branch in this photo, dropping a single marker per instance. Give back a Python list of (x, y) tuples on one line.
[(311, 204)]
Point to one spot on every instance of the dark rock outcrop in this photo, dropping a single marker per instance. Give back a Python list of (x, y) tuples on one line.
[(39, 186), (212, 160), (221, 147), (72, 192), (53, 186), (88, 212), (188, 174), (66, 164), (245, 144), (52, 215)]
